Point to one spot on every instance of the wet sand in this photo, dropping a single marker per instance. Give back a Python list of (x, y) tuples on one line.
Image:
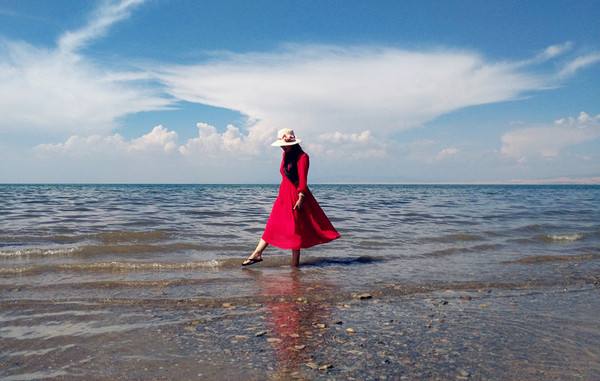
[(296, 327)]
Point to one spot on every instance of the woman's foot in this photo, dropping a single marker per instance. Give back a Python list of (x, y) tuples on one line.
[(253, 258)]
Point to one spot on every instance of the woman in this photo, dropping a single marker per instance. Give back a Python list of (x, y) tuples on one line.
[(296, 221)]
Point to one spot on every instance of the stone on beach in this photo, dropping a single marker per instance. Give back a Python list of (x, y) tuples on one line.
[(463, 374)]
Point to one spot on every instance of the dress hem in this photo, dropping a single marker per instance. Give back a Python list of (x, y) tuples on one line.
[(301, 246)]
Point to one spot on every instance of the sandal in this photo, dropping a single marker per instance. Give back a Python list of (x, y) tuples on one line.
[(251, 261)]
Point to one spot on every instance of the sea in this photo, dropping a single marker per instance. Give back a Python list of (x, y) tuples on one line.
[(91, 275)]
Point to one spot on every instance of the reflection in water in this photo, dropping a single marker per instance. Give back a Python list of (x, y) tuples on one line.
[(296, 315)]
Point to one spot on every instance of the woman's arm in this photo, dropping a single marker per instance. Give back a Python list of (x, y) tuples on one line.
[(302, 180), (303, 164)]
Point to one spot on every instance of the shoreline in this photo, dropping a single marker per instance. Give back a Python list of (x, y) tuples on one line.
[(301, 329)]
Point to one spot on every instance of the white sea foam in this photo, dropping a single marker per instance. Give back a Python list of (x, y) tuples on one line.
[(565, 237), (37, 252)]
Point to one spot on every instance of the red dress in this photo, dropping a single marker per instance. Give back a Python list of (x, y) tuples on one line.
[(295, 229)]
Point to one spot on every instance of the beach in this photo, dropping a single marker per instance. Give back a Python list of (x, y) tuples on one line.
[(436, 282)]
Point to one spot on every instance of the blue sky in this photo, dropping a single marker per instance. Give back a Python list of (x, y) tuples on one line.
[(185, 91)]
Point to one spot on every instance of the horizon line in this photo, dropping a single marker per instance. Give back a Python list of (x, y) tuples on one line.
[(314, 183)]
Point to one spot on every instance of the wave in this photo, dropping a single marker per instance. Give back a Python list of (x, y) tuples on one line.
[(548, 238), (115, 236), (554, 258), (213, 264), (111, 266), (98, 250), (38, 252), (563, 237), (461, 250), (454, 237)]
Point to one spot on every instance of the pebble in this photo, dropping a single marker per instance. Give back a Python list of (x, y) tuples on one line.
[(463, 374), (299, 347), (363, 295), (273, 340), (325, 366), (312, 365), (350, 330), (261, 333), (321, 325), (227, 305)]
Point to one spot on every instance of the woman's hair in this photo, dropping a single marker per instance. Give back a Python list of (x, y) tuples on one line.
[(290, 162)]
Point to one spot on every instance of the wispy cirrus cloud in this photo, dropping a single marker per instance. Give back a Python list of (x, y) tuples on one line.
[(58, 90), (554, 51), (98, 24), (579, 63), (318, 89)]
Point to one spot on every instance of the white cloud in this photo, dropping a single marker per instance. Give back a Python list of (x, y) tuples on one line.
[(554, 50), (339, 137), (159, 140), (211, 143), (58, 90), (156, 156), (360, 145), (447, 152), (549, 141), (315, 89), (579, 63), (101, 19)]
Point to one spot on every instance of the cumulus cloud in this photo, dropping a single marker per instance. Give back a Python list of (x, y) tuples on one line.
[(316, 89), (212, 143), (549, 141), (359, 145), (159, 140), (59, 90)]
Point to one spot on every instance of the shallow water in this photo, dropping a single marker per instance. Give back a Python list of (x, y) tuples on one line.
[(143, 272)]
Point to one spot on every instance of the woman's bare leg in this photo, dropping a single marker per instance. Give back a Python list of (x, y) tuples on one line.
[(262, 245), (295, 258)]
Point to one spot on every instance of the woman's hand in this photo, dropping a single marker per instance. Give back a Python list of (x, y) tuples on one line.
[(298, 204)]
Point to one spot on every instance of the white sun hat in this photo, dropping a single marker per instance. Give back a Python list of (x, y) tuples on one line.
[(285, 137)]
